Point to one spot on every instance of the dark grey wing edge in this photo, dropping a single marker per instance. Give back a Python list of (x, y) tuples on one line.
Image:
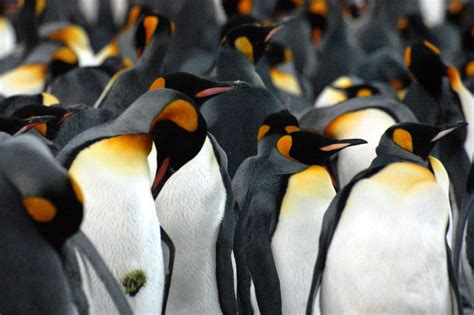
[(225, 239), (330, 221), (82, 242), (452, 277), (172, 251)]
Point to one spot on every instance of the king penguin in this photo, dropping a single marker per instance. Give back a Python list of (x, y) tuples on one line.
[(110, 163), (281, 216), (384, 245), (197, 215), (40, 208)]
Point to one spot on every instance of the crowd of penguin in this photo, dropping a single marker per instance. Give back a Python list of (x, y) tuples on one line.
[(236, 157)]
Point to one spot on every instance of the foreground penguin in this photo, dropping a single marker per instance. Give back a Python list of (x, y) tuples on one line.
[(384, 236), (40, 208), (110, 163), (281, 216), (195, 206)]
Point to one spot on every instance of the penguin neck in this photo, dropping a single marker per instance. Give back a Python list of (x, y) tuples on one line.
[(28, 26), (233, 65), (267, 144), (284, 166), (149, 64), (388, 152)]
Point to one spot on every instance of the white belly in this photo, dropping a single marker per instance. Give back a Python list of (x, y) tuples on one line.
[(191, 207), (120, 220), (296, 239), (370, 125), (388, 253)]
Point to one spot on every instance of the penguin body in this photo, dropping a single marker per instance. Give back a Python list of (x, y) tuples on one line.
[(198, 217), (351, 119), (402, 174)]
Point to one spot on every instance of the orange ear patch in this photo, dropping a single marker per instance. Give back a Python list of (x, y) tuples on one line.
[(182, 113), (158, 84), (432, 47), (407, 57), (243, 44), (318, 7), (284, 146), (262, 131), (245, 7), (403, 138), (150, 24), (291, 129), (40, 209)]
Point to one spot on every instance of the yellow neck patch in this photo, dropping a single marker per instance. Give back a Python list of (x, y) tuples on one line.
[(49, 99), (403, 177), (150, 23), (364, 93), (73, 36), (125, 155), (454, 78), (66, 55), (403, 138), (284, 146), (77, 189), (40, 209), (285, 82), (262, 131), (243, 44), (182, 113), (158, 84)]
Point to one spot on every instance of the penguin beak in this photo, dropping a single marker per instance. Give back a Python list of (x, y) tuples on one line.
[(447, 130), (33, 122), (162, 174), (226, 87), (342, 144), (276, 27)]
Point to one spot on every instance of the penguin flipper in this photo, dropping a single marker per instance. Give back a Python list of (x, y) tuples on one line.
[(172, 250), (225, 239), (330, 222), (259, 256)]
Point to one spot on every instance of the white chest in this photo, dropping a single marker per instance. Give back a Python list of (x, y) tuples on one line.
[(388, 253), (296, 239), (191, 207)]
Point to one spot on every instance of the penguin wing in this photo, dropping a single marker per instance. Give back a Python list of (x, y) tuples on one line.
[(330, 222), (225, 239), (259, 256)]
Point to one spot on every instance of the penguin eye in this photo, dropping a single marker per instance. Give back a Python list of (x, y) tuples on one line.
[(158, 84), (262, 131), (284, 146), (40, 209), (182, 113), (403, 138), (244, 45)]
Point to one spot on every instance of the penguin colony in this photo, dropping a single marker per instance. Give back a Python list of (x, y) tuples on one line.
[(237, 157)]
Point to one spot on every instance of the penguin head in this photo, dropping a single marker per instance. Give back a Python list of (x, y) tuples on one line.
[(318, 12), (358, 90), (236, 21), (424, 61), (251, 39), (279, 123), (311, 148), (51, 198), (197, 88), (62, 61), (285, 7), (50, 127), (355, 8), (237, 7), (16, 126), (178, 132), (418, 138), (278, 54), (152, 28), (39, 5)]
